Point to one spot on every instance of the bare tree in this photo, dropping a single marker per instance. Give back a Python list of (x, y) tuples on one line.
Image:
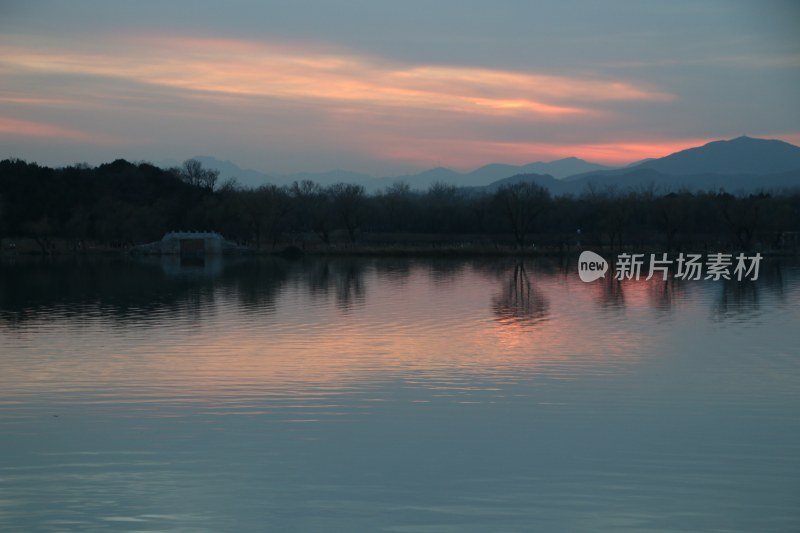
[(349, 202), (396, 201), (521, 203), (312, 210), (193, 173)]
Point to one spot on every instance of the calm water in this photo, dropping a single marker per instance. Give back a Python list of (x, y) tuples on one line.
[(393, 395)]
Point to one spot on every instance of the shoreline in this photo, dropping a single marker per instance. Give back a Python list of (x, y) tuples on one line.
[(290, 251)]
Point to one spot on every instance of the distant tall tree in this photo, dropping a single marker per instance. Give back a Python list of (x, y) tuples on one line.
[(396, 203), (42, 232), (2, 217), (349, 202), (611, 212), (673, 215), (193, 173), (441, 204), (479, 209), (521, 204), (275, 206), (312, 209), (743, 216)]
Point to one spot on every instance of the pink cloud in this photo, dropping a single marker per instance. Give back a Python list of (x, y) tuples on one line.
[(25, 128), (419, 114), (276, 71)]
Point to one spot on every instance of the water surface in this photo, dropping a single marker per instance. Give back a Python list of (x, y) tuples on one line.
[(394, 395)]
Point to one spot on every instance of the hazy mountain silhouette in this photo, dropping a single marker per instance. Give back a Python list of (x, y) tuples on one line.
[(328, 178), (227, 170), (743, 164), (254, 178), (545, 180), (743, 155), (489, 173), (637, 163), (558, 169), (422, 181), (644, 178)]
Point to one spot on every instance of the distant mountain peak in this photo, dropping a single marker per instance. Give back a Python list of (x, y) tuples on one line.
[(741, 155)]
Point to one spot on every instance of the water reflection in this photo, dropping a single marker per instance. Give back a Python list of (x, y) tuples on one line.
[(520, 300), (115, 289), (348, 276), (256, 284), (155, 287), (664, 297), (665, 294), (395, 270), (186, 266), (303, 324), (610, 293), (393, 394), (445, 270), (737, 301)]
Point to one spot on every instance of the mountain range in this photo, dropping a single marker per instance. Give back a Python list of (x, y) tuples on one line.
[(743, 164), (478, 177)]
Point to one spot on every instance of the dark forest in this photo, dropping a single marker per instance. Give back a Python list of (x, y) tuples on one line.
[(118, 205)]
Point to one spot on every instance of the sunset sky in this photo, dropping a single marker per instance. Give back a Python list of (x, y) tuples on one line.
[(391, 87)]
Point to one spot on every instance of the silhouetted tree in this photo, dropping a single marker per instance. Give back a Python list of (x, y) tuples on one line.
[(742, 215), (312, 209), (122, 203), (349, 204), (522, 203), (396, 201), (672, 216), (193, 173)]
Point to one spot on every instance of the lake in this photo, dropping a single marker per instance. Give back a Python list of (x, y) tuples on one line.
[(395, 395)]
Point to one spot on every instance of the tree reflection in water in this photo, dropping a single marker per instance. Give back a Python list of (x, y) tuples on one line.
[(611, 295), (738, 301), (520, 301), (142, 291), (348, 275)]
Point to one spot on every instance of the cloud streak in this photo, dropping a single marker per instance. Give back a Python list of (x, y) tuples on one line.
[(275, 89), (392, 111), (361, 99), (25, 128), (274, 71)]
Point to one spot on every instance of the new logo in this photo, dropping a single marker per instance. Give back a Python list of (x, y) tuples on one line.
[(591, 266)]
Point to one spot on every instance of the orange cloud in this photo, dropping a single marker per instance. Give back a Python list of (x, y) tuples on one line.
[(37, 101), (268, 70), (25, 128), (418, 114)]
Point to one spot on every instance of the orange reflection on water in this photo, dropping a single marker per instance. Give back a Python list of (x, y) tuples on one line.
[(415, 329)]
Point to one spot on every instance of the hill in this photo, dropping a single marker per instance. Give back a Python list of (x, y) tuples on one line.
[(743, 155), (421, 181), (487, 174), (743, 164)]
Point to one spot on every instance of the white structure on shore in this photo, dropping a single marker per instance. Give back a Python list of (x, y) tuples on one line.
[(189, 243)]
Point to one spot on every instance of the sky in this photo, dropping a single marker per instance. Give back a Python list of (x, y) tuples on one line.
[(388, 88)]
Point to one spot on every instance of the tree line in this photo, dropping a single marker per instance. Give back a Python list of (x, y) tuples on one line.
[(121, 204)]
